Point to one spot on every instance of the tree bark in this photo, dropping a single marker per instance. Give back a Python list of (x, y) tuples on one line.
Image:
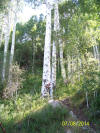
[(54, 64), (46, 64), (12, 48), (7, 36), (69, 67), (54, 58), (63, 72), (2, 31)]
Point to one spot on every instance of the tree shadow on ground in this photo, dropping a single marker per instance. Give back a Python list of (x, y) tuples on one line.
[(45, 120)]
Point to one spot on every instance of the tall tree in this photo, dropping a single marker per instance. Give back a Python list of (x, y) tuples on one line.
[(46, 64), (63, 71), (7, 36), (1, 27), (15, 4), (56, 28)]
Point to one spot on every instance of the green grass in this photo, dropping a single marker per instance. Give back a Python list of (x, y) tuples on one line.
[(63, 91), (76, 93), (29, 113)]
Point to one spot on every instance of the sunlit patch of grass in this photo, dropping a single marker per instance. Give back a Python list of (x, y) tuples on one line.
[(63, 91), (22, 115), (18, 108), (27, 112)]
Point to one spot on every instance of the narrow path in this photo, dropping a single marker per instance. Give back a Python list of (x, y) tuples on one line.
[(77, 115)]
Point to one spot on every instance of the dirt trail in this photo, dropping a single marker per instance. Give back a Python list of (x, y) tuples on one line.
[(77, 115)]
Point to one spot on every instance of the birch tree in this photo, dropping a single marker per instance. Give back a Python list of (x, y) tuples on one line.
[(1, 36), (63, 71), (1, 27), (46, 64), (69, 67), (56, 28), (15, 5), (96, 54), (6, 37)]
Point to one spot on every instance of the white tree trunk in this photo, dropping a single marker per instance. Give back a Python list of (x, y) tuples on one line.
[(94, 51), (12, 48), (46, 64), (54, 64), (13, 43), (96, 55), (69, 67), (7, 36), (1, 27), (54, 58), (1, 34), (63, 72)]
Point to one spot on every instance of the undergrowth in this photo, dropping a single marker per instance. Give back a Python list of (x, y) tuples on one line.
[(27, 112)]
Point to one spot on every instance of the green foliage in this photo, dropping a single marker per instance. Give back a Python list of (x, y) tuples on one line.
[(3, 4), (32, 83), (23, 55), (47, 118), (30, 42), (28, 113), (88, 82)]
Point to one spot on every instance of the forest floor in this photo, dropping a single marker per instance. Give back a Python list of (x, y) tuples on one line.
[(29, 113)]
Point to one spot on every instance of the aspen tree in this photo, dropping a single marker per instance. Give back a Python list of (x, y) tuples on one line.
[(15, 4), (46, 64), (6, 37), (56, 28)]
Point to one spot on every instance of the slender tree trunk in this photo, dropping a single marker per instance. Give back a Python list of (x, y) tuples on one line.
[(58, 63), (1, 35), (69, 67), (33, 54), (78, 67), (46, 64), (94, 51), (63, 71), (12, 49), (96, 55), (7, 36), (1, 28), (54, 52), (72, 65), (87, 102), (54, 64)]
